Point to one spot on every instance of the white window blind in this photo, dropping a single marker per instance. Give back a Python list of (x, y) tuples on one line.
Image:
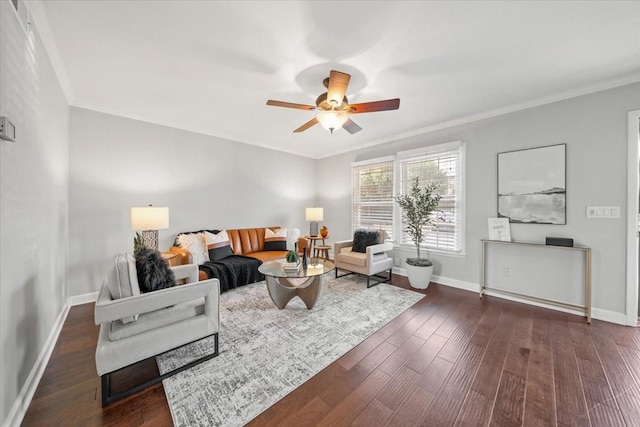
[(442, 165), (372, 195)]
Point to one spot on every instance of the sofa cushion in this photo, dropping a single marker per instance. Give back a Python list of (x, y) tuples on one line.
[(196, 245), (123, 280), (268, 255), (218, 245), (153, 271), (363, 238), (275, 240)]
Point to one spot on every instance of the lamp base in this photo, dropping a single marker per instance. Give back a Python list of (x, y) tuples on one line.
[(150, 239), (313, 229)]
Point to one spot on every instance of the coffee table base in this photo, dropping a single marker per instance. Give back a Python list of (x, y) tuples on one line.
[(282, 291)]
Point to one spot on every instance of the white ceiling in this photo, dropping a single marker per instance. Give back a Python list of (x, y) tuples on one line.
[(210, 66)]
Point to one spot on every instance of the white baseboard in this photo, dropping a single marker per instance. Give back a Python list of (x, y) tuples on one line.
[(82, 299), (460, 284), (19, 408), (23, 399), (596, 313), (609, 316)]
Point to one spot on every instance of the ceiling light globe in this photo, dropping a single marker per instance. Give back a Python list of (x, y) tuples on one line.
[(332, 120)]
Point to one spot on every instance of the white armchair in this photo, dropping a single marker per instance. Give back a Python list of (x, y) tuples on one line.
[(370, 263), (135, 327)]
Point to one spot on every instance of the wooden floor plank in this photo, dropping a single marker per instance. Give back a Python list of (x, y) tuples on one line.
[(509, 405), (395, 392), (425, 354), (569, 394), (355, 402), (413, 409), (475, 411), (539, 409), (308, 415), (376, 414)]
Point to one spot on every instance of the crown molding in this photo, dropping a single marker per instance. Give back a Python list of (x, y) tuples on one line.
[(39, 16)]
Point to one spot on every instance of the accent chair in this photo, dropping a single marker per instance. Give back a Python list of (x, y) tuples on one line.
[(136, 326), (365, 254)]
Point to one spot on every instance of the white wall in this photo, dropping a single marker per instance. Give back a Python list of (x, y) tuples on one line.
[(33, 204), (594, 128), (206, 182)]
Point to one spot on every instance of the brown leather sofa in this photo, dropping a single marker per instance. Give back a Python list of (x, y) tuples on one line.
[(244, 241)]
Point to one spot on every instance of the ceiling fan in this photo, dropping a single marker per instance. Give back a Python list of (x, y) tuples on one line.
[(334, 107)]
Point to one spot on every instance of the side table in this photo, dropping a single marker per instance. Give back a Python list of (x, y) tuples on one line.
[(171, 257), (316, 250)]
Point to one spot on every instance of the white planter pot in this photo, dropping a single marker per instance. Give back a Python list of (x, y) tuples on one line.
[(419, 277)]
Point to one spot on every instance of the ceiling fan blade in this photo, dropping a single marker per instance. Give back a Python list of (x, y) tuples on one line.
[(370, 107), (351, 126), (306, 125), (290, 105), (337, 88)]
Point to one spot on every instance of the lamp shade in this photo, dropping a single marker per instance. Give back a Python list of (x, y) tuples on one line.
[(149, 218), (313, 214)]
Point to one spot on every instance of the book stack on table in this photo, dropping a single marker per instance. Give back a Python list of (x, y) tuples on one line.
[(291, 266)]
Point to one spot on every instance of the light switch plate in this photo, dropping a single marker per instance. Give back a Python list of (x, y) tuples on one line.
[(603, 212)]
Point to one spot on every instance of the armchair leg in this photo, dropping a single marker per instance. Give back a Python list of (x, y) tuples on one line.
[(107, 398), (385, 279), (342, 275)]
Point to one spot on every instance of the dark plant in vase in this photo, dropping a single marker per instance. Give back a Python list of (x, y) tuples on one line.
[(138, 243), (417, 213)]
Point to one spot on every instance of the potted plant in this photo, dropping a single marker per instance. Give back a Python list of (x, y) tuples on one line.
[(417, 213)]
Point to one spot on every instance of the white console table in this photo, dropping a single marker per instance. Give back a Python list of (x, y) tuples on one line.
[(587, 276)]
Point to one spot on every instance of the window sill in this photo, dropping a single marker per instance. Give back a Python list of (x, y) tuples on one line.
[(412, 249)]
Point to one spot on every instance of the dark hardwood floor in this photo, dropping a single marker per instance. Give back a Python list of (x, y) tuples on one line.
[(451, 359)]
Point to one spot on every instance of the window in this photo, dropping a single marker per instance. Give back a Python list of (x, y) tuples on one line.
[(372, 195), (441, 165), (374, 186)]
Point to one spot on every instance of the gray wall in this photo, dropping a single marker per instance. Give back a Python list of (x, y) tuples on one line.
[(33, 204), (206, 182), (594, 128)]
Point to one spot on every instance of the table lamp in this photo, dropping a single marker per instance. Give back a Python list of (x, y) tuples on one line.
[(314, 215), (149, 220)]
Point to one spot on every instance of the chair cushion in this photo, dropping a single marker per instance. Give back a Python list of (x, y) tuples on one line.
[(123, 280), (156, 319), (357, 258), (363, 238), (153, 271)]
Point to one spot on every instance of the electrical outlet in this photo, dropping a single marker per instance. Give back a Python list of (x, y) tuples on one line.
[(507, 271), (396, 262)]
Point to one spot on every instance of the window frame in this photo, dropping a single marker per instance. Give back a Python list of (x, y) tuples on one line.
[(460, 198), (379, 160)]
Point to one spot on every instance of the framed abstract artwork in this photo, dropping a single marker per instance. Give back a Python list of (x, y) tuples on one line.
[(532, 185)]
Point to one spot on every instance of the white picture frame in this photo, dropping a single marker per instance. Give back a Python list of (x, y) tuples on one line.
[(499, 229)]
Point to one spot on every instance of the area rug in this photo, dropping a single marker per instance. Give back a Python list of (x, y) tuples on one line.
[(265, 353)]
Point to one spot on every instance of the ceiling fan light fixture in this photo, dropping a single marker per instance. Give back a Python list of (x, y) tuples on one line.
[(332, 119)]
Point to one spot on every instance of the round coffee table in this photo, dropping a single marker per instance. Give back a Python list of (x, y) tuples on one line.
[(305, 283)]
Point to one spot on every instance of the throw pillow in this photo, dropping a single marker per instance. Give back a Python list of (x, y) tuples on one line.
[(363, 238), (154, 272), (218, 245), (196, 245), (275, 240)]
